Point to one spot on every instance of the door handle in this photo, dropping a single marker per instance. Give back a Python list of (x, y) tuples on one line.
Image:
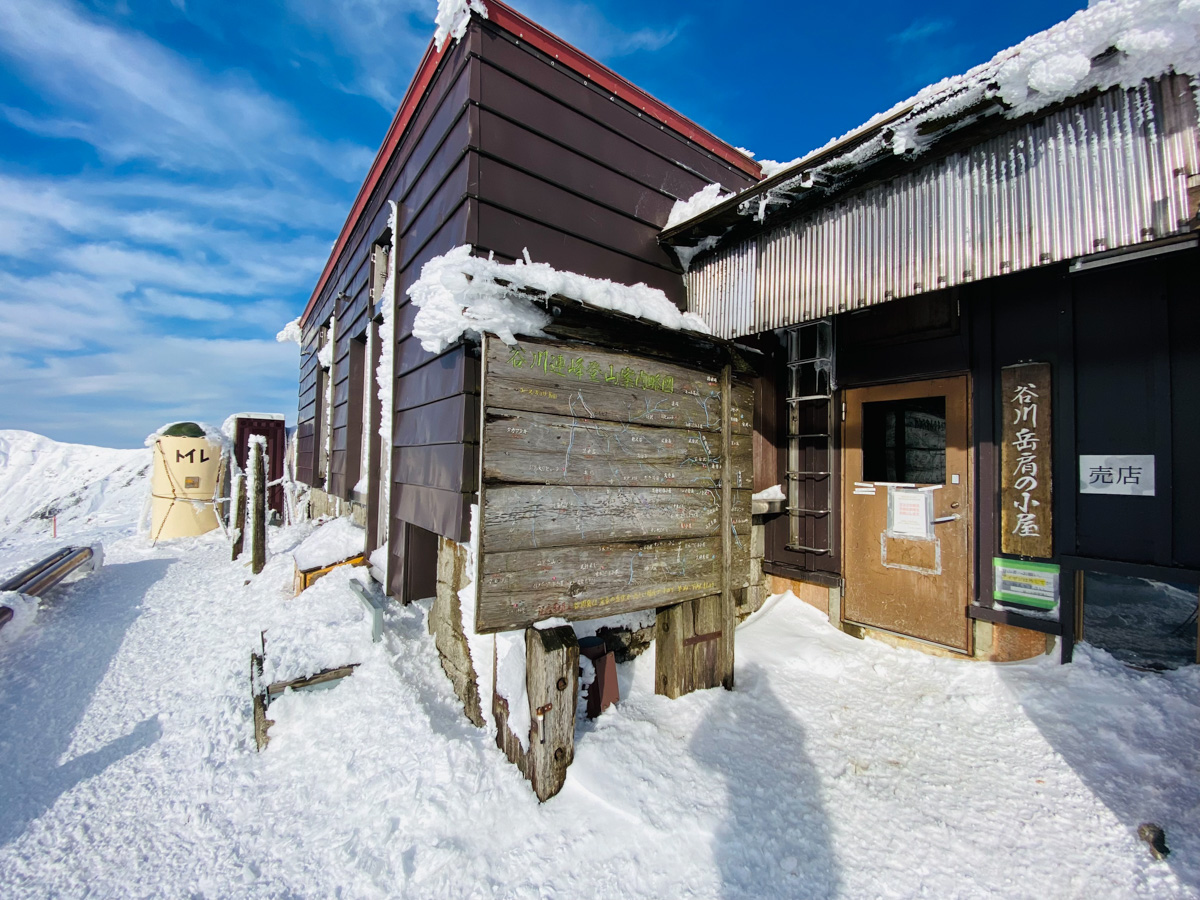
[(941, 519)]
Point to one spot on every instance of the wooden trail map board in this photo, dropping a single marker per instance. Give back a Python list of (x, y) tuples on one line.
[(601, 489)]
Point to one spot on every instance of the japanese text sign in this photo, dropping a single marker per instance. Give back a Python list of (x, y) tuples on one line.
[(1127, 475), (1026, 511), (1033, 585)]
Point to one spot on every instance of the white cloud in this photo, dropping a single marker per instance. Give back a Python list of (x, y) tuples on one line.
[(921, 30), (585, 26), (117, 397), (377, 43), (132, 98), (151, 285), (137, 300)]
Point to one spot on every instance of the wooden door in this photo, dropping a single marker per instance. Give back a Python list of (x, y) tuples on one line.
[(907, 510)]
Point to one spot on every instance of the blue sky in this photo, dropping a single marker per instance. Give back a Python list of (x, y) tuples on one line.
[(173, 173)]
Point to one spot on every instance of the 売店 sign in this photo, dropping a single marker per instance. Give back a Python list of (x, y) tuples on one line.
[(1026, 583), (1125, 475)]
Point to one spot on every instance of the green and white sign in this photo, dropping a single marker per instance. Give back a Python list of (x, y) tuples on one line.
[(1026, 583)]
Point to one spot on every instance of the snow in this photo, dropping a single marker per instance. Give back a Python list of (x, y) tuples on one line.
[(378, 558), (385, 380), (774, 492), (1150, 37), (459, 294), (510, 682), (332, 542), (453, 16), (24, 608), (291, 332), (325, 354), (215, 436), (87, 489), (229, 426), (325, 627), (700, 202), (837, 768)]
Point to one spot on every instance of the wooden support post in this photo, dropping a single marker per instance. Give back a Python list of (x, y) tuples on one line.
[(258, 507), (552, 683), (694, 640), (726, 613), (258, 696), (238, 493)]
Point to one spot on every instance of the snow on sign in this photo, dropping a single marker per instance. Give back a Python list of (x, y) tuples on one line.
[(602, 483), (1124, 475)]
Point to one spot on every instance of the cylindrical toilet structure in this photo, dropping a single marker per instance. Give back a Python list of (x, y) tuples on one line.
[(183, 485)]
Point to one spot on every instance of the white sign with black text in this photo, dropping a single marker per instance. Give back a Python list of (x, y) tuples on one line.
[(1125, 475)]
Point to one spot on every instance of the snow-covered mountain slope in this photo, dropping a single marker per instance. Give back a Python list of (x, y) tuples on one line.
[(89, 489)]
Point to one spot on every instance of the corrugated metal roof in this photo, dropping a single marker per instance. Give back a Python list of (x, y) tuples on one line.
[(1119, 43), (1107, 172)]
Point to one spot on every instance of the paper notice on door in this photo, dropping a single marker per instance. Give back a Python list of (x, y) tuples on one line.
[(908, 512)]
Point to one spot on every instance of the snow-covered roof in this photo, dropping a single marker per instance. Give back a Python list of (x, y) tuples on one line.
[(459, 293), (452, 19), (1112, 43)]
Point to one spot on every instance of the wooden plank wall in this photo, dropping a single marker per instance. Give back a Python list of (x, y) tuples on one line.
[(428, 178), (602, 483)]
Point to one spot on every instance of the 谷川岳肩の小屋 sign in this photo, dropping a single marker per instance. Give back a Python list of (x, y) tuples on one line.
[(1026, 511), (601, 482)]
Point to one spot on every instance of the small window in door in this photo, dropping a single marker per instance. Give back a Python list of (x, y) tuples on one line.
[(905, 440)]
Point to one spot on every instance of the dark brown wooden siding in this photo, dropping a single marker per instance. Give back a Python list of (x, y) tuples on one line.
[(506, 151), (583, 180)]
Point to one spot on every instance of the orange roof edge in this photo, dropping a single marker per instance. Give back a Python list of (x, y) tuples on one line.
[(518, 25)]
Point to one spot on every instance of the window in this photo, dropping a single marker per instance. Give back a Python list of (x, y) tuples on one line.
[(810, 438), (905, 440)]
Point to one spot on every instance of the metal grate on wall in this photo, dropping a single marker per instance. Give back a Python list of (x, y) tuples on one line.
[(1107, 173)]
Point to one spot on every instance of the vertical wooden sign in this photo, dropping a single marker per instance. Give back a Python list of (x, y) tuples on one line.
[(1026, 505)]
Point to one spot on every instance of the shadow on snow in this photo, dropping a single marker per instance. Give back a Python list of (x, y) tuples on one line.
[(775, 840), (49, 677), (1130, 738)]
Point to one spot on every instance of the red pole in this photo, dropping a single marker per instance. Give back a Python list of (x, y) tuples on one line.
[(56, 526)]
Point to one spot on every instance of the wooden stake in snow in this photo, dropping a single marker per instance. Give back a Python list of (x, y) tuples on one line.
[(238, 493), (258, 504), (552, 687)]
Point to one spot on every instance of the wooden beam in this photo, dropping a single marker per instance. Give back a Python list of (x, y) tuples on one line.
[(727, 619), (258, 506), (552, 685), (239, 515)]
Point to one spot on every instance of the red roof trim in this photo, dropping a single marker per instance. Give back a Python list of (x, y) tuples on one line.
[(513, 22), (412, 97)]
